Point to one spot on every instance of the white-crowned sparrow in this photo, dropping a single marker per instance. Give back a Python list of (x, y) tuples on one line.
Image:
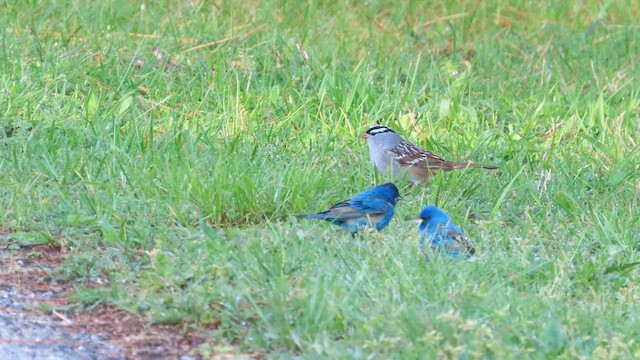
[(388, 148)]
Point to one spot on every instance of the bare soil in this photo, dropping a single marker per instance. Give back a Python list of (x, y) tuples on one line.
[(67, 332)]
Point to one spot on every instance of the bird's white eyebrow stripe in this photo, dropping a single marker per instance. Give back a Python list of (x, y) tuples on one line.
[(378, 130)]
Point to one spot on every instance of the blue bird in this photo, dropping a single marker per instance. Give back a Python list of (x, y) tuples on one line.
[(373, 208), (442, 234)]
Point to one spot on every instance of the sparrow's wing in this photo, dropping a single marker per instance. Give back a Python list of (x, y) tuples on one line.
[(423, 161), (406, 154)]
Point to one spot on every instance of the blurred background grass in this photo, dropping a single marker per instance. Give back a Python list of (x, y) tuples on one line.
[(165, 144)]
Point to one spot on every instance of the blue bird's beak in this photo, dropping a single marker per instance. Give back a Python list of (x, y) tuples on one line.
[(416, 220)]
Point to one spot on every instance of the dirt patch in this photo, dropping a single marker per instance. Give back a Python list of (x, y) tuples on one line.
[(27, 331)]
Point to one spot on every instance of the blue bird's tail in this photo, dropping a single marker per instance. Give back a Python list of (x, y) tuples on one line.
[(321, 215)]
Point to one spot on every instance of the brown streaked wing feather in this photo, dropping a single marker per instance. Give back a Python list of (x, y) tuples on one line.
[(407, 154)]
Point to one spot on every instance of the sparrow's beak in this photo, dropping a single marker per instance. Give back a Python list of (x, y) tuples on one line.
[(364, 136)]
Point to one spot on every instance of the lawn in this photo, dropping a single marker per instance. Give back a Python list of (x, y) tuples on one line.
[(166, 145)]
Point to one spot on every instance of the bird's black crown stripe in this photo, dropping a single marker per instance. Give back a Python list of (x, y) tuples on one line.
[(378, 129)]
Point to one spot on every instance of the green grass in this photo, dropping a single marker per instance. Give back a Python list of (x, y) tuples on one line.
[(172, 181)]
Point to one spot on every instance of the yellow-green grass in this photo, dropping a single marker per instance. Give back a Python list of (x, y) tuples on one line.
[(171, 174)]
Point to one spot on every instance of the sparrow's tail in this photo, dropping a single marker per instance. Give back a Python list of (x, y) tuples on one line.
[(452, 165), (483, 166)]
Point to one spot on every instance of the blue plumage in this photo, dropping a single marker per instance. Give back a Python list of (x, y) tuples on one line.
[(441, 234), (373, 208)]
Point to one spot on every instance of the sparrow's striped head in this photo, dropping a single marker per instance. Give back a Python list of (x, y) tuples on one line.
[(377, 129)]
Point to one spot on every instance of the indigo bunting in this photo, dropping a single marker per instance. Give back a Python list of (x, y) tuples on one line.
[(442, 235), (371, 208)]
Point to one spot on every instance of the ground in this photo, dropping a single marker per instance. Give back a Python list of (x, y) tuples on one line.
[(29, 332)]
